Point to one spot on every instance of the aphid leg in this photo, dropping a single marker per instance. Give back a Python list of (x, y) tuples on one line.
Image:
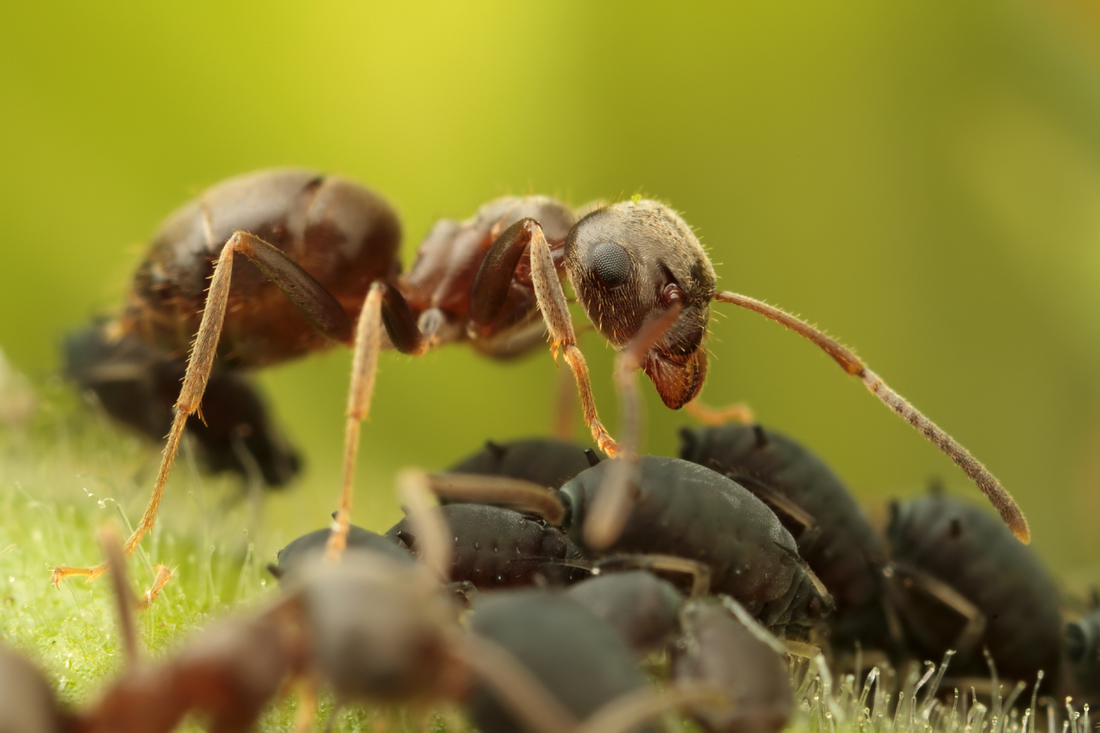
[(754, 627), (555, 311), (850, 363), (631, 710), (948, 596), (700, 573), (111, 545), (428, 524), (811, 530), (383, 307), (516, 687), (612, 505), (715, 416), (319, 306), (516, 494)]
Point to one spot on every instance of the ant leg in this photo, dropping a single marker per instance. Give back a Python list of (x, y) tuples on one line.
[(555, 311), (565, 404), (851, 363), (714, 416), (317, 304), (516, 494), (611, 506), (631, 710), (164, 574), (383, 307), (427, 521), (516, 687), (700, 573), (111, 545)]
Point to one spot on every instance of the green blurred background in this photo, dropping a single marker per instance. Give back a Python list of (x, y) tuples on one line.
[(922, 179)]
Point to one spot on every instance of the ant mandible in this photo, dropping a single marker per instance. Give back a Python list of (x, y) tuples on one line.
[(330, 246)]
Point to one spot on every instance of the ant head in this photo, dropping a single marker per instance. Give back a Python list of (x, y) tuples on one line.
[(628, 263)]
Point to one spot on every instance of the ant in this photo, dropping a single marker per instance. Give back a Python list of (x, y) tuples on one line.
[(330, 246)]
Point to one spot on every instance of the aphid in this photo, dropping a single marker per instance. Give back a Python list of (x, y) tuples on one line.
[(833, 533), (1082, 646), (27, 702), (681, 510), (299, 551), (718, 648), (500, 548), (641, 607), (578, 658), (708, 644), (636, 267), (543, 461), (960, 581)]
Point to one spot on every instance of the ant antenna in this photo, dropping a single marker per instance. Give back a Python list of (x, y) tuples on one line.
[(111, 544), (851, 363)]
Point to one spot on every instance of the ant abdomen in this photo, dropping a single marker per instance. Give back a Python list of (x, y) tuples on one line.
[(343, 234)]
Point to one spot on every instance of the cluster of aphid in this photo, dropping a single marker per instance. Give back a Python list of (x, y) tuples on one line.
[(744, 549)]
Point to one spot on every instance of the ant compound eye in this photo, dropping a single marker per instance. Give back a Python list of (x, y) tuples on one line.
[(611, 263)]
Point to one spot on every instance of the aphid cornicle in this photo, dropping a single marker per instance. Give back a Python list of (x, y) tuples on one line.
[(330, 247)]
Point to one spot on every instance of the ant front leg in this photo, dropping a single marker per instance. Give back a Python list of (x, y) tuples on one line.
[(611, 507), (317, 304), (491, 287)]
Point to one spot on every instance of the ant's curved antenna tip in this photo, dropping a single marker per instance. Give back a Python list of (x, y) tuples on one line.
[(1018, 524)]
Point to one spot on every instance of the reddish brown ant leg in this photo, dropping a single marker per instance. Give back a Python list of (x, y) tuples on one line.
[(429, 526), (383, 307), (611, 507), (164, 574), (932, 586), (555, 311), (517, 494), (318, 305), (708, 415), (565, 404), (700, 573), (851, 363), (111, 545)]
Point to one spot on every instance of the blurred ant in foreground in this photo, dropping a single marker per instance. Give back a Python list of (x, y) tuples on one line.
[(330, 247)]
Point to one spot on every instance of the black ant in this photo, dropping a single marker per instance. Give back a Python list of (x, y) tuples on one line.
[(330, 246)]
